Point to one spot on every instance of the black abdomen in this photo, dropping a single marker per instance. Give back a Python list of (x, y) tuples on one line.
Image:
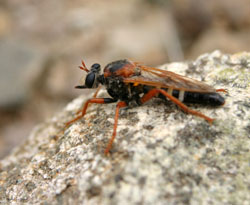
[(201, 98)]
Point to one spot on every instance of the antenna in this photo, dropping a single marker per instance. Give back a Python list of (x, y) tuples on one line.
[(83, 67)]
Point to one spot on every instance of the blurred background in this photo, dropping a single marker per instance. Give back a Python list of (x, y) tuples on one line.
[(42, 44)]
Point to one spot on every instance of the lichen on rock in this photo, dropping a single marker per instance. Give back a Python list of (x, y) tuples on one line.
[(160, 155)]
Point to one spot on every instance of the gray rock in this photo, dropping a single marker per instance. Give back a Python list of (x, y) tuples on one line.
[(19, 64), (160, 156)]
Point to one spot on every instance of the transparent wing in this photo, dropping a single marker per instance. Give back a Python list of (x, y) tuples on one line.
[(166, 79)]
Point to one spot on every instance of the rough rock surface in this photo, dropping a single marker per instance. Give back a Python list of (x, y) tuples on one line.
[(160, 156)]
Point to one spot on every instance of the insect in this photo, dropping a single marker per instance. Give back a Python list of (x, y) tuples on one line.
[(128, 81)]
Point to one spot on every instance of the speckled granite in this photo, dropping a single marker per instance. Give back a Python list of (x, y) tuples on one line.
[(160, 156)]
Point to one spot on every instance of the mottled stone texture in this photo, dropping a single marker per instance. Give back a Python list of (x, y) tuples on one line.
[(160, 156)]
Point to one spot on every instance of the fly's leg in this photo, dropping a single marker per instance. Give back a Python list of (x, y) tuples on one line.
[(222, 90), (84, 109), (152, 93), (97, 91), (94, 96), (118, 106)]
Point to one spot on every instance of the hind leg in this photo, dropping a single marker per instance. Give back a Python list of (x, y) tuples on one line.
[(152, 93)]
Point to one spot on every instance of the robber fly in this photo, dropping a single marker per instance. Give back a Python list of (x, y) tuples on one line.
[(128, 81)]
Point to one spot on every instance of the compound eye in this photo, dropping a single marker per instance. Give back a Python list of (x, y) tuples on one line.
[(90, 79), (96, 67)]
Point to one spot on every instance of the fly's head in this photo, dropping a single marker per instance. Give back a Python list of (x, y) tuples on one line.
[(92, 78)]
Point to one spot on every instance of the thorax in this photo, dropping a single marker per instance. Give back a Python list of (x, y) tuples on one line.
[(113, 75)]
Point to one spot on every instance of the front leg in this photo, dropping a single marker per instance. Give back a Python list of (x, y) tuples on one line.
[(118, 107), (94, 96), (84, 109)]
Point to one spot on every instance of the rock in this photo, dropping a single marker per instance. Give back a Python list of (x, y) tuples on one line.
[(19, 65), (160, 156)]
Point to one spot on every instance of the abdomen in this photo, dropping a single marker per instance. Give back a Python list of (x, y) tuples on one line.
[(210, 98), (214, 98)]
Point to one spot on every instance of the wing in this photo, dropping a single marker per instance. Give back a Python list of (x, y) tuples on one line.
[(166, 79)]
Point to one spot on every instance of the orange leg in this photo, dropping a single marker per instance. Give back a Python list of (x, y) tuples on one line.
[(118, 106), (94, 96), (152, 93), (97, 91), (102, 101), (84, 109), (221, 90)]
